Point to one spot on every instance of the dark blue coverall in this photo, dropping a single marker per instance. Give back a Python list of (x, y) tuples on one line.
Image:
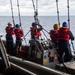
[(64, 47)]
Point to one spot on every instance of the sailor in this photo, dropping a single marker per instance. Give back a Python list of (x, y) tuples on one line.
[(9, 38), (35, 31), (54, 34), (35, 34), (19, 34), (63, 44)]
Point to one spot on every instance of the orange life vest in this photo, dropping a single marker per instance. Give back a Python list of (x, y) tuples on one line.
[(9, 31), (34, 32), (18, 33), (63, 33), (54, 35)]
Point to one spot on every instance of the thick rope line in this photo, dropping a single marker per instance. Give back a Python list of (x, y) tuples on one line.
[(12, 13), (68, 13), (19, 13), (58, 12), (20, 19)]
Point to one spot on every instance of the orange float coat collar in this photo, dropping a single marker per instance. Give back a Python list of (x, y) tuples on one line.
[(54, 35), (18, 33), (9, 30), (63, 33), (34, 32)]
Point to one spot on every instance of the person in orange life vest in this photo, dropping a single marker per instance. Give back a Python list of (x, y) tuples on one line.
[(54, 34), (63, 44), (9, 39), (35, 34), (19, 34), (35, 31)]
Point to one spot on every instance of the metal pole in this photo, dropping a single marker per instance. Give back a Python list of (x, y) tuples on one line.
[(4, 54)]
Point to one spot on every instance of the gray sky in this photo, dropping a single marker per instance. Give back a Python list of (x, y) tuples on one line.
[(45, 7)]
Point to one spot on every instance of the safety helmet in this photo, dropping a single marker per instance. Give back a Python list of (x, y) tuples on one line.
[(33, 24), (9, 24), (56, 26), (64, 24), (17, 26)]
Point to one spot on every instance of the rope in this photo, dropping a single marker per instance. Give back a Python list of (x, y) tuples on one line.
[(35, 11), (12, 13), (20, 19), (33, 5), (19, 13), (57, 12), (68, 13)]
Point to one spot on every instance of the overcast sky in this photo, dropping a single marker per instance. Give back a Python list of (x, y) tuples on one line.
[(45, 7)]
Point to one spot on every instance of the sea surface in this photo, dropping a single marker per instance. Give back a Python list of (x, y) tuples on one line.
[(46, 21)]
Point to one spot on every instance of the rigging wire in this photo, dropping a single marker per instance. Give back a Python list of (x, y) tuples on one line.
[(12, 13), (58, 12), (26, 33)]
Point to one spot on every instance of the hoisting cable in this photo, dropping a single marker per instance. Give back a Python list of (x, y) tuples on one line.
[(35, 11), (33, 5), (36, 14), (58, 12), (20, 19), (12, 13), (19, 14), (68, 13)]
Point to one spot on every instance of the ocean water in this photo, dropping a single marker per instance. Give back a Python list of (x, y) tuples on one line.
[(46, 21)]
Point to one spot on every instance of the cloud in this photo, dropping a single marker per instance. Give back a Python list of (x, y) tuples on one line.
[(45, 7)]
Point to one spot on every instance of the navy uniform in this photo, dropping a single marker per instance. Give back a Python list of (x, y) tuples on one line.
[(19, 34), (35, 34), (9, 38), (63, 44)]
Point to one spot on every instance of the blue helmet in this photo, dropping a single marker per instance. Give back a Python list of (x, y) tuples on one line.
[(17, 26), (64, 24), (33, 24), (9, 24)]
